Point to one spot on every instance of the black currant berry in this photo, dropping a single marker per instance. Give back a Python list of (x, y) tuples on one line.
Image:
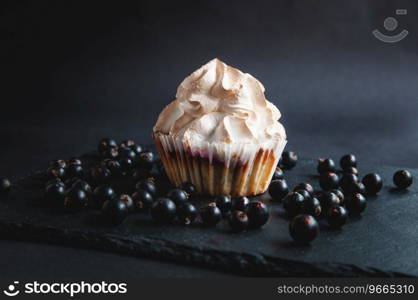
[(143, 200), (351, 170), (128, 201), (189, 188), (187, 213), (105, 144), (224, 203), (127, 143), (403, 179), (348, 179), (114, 167), (312, 206), (147, 185), (240, 203), (54, 194), (146, 160), (75, 161), (163, 210), (5, 186), (304, 193), (355, 188), (278, 174), (100, 174), (100, 195), (347, 161), (210, 214), (83, 185), (58, 163), (111, 153), (114, 211), (325, 165), (257, 213), (339, 194), (288, 159), (178, 196), (75, 171), (293, 203), (137, 149), (373, 183), (278, 189), (55, 172), (356, 203), (238, 221), (75, 200), (126, 165), (304, 229), (337, 216), (328, 199), (126, 152), (329, 181), (304, 186)]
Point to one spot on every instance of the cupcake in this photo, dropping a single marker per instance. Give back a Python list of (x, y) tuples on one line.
[(220, 133)]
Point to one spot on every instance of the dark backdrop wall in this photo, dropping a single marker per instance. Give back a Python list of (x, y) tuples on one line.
[(75, 71)]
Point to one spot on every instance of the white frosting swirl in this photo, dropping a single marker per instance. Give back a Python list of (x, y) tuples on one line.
[(218, 103)]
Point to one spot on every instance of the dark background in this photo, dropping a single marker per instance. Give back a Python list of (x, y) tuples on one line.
[(75, 71)]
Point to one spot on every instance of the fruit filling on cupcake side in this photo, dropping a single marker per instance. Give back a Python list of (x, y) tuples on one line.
[(220, 133)]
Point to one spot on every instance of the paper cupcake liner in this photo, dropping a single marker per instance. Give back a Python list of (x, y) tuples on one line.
[(217, 168)]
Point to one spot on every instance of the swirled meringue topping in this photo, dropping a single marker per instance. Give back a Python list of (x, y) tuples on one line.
[(218, 103)]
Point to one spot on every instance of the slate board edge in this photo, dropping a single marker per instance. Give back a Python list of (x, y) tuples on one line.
[(244, 264)]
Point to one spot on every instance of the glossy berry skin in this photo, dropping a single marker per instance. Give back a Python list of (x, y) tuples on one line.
[(75, 171), (187, 213), (178, 196), (355, 188), (83, 185), (278, 189), (373, 183), (347, 161), (312, 206), (224, 203), (100, 174), (146, 160), (356, 203), (127, 143), (70, 181), (403, 179), (351, 170), (128, 202), (288, 159), (75, 200), (304, 193), (54, 181), (143, 200), (75, 161), (5, 185), (114, 211), (329, 181), (303, 229), (257, 213), (147, 185), (163, 210), (278, 174), (105, 144), (126, 152), (114, 167), (54, 194), (328, 199), (210, 214), (126, 165), (348, 179), (339, 194), (58, 163), (304, 186), (189, 188), (137, 149), (55, 172), (238, 221), (111, 153), (100, 195), (325, 165), (337, 216), (240, 203), (293, 203)]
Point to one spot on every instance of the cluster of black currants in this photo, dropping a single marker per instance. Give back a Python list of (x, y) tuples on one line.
[(342, 194), (241, 213), (71, 186)]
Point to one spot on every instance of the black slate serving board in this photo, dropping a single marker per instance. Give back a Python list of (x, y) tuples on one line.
[(382, 242)]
